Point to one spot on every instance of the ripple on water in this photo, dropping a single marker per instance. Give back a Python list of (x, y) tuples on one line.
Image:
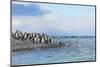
[(85, 52)]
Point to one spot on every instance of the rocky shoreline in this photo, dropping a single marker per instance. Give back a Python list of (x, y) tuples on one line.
[(26, 41), (18, 45)]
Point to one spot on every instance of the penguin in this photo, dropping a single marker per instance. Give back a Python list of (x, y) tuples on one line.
[(16, 35), (52, 40), (46, 39), (43, 40), (25, 36), (30, 36), (36, 39), (43, 35), (20, 35), (33, 39), (49, 40), (59, 42), (34, 35)]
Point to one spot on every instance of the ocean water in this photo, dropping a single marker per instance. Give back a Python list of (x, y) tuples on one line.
[(81, 49)]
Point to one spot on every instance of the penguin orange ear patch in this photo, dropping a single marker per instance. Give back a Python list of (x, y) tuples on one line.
[(52, 33)]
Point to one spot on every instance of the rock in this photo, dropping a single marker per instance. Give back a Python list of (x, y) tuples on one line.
[(18, 45)]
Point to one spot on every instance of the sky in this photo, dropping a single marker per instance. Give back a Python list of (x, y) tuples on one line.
[(53, 19)]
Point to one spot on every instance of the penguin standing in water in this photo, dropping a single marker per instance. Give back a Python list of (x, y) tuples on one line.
[(59, 42)]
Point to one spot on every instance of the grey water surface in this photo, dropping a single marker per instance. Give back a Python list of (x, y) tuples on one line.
[(81, 49)]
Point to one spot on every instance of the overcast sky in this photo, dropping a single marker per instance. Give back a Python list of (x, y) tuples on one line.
[(53, 19)]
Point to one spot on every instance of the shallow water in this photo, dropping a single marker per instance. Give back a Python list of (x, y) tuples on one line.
[(83, 50)]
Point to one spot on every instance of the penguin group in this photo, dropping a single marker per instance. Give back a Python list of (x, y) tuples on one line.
[(34, 37)]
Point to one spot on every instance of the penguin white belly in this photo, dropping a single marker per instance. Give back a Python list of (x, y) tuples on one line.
[(36, 40), (43, 40)]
